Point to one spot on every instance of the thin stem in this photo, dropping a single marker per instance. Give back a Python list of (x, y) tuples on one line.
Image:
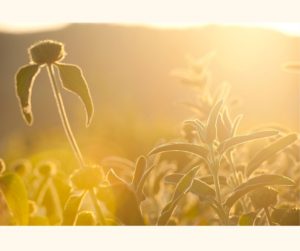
[(214, 171), (232, 165), (97, 207), (55, 198), (230, 158), (63, 116), (42, 189), (69, 133), (268, 216)]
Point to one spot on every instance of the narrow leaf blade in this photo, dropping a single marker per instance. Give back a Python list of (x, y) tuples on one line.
[(241, 139), (24, 82), (212, 121), (181, 147), (269, 151), (257, 182), (71, 209), (15, 193), (199, 187), (73, 80), (140, 168)]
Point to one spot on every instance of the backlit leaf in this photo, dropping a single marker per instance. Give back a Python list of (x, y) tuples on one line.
[(269, 151), (199, 187), (181, 188), (211, 129), (255, 183), (15, 193), (247, 219), (167, 212), (237, 140), (24, 82), (139, 190), (185, 183), (182, 147), (71, 209), (73, 80), (122, 202), (140, 168)]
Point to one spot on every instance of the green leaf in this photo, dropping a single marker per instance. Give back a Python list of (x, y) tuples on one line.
[(199, 126), (182, 147), (237, 140), (139, 190), (71, 209), (185, 183), (175, 177), (226, 119), (236, 124), (24, 82), (247, 219), (199, 187), (167, 212), (113, 178), (211, 129), (122, 202), (73, 80), (140, 168), (269, 151), (255, 183), (222, 131), (15, 193), (210, 180), (182, 187)]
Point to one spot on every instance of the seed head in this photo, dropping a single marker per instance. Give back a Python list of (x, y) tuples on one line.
[(46, 168), (87, 178), (46, 52), (22, 167)]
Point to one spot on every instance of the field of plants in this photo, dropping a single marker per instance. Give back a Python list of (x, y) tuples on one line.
[(212, 173)]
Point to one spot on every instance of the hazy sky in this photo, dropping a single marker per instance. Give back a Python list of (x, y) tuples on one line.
[(29, 15)]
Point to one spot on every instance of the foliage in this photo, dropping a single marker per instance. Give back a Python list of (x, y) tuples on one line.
[(219, 179)]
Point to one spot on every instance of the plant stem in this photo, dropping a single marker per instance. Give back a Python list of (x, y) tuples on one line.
[(42, 189), (69, 133), (63, 116), (232, 165), (56, 199), (214, 171), (268, 216)]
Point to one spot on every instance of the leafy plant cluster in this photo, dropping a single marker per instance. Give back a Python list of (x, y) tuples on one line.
[(213, 175)]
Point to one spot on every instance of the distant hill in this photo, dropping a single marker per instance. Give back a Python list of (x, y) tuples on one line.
[(129, 68)]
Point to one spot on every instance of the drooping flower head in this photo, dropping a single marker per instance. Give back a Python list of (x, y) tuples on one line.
[(46, 52)]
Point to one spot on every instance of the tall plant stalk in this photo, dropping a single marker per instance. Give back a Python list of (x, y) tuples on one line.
[(64, 117), (70, 136)]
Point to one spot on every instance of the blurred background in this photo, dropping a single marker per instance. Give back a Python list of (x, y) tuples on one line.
[(136, 98)]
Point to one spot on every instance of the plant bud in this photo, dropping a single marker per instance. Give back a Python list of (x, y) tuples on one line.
[(189, 132), (47, 52), (87, 178), (46, 168), (2, 166), (85, 218), (22, 167), (263, 197)]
